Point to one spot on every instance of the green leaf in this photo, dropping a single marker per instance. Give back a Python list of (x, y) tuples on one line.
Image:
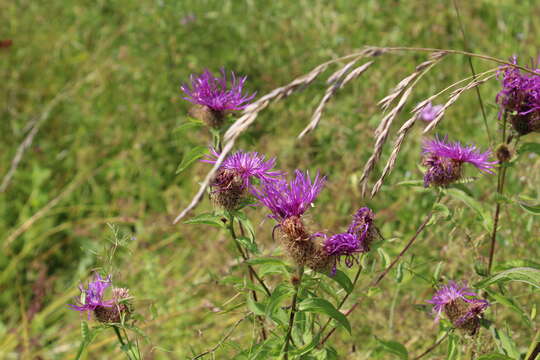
[(190, 156), (512, 305), (473, 204), (280, 293), (529, 148), (85, 331), (505, 343), (532, 209), (208, 219), (527, 275), (453, 350), (494, 356), (343, 280), (321, 306), (255, 307), (248, 244), (419, 183), (393, 347)]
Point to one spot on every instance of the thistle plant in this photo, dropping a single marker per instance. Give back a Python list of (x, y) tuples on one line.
[(243, 183)]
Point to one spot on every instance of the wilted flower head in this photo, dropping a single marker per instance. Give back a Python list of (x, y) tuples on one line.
[(429, 112), (444, 161), (520, 97), (355, 240), (460, 304), (213, 92), (287, 199), (92, 297), (236, 175)]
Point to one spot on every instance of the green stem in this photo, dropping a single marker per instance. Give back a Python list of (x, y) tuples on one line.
[(501, 176), (342, 302), (121, 341), (245, 256), (300, 273), (81, 349)]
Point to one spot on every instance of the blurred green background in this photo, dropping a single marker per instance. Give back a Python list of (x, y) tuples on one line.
[(100, 80)]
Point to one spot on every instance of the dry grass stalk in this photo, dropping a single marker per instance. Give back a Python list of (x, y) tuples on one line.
[(402, 90), (404, 130), (454, 96), (338, 83)]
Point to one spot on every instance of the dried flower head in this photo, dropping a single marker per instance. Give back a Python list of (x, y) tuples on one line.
[(290, 199), (444, 161), (460, 305), (429, 112), (92, 297), (213, 97), (236, 173), (520, 97), (120, 310)]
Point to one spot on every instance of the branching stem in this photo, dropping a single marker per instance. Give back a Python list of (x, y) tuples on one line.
[(298, 282)]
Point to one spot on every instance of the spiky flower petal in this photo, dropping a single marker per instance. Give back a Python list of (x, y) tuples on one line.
[(461, 306), (444, 161), (92, 297), (214, 92), (287, 199), (520, 97)]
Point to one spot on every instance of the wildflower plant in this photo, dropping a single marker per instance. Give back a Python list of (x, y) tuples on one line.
[(310, 274)]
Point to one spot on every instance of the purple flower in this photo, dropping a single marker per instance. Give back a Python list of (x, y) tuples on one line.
[(355, 240), (520, 97), (287, 199), (454, 300), (92, 297), (429, 112), (209, 90), (444, 161), (246, 165)]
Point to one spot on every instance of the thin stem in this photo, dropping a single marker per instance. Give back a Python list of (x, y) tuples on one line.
[(432, 347), (245, 256), (225, 337), (409, 244), (121, 340), (387, 270), (342, 302), (81, 349), (300, 273), (501, 175), (466, 45)]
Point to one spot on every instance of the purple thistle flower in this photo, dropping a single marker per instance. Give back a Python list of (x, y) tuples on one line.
[(92, 297), (444, 161), (520, 96), (429, 112), (287, 199), (454, 300), (246, 165), (362, 226), (209, 90)]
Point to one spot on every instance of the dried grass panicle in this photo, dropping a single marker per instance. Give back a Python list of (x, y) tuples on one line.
[(337, 81), (403, 131), (454, 96), (403, 90)]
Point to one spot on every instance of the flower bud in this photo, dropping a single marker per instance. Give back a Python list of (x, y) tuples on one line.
[(503, 153)]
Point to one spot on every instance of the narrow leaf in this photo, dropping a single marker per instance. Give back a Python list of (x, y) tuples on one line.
[(321, 306), (190, 156), (527, 275), (207, 219), (393, 347)]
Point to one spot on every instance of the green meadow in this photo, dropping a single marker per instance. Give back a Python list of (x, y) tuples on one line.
[(95, 86)]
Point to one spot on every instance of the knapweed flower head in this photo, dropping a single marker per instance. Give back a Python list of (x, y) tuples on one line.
[(290, 199), (121, 309), (356, 240), (444, 161), (237, 173), (520, 97), (214, 91), (461, 306), (429, 112), (92, 297)]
